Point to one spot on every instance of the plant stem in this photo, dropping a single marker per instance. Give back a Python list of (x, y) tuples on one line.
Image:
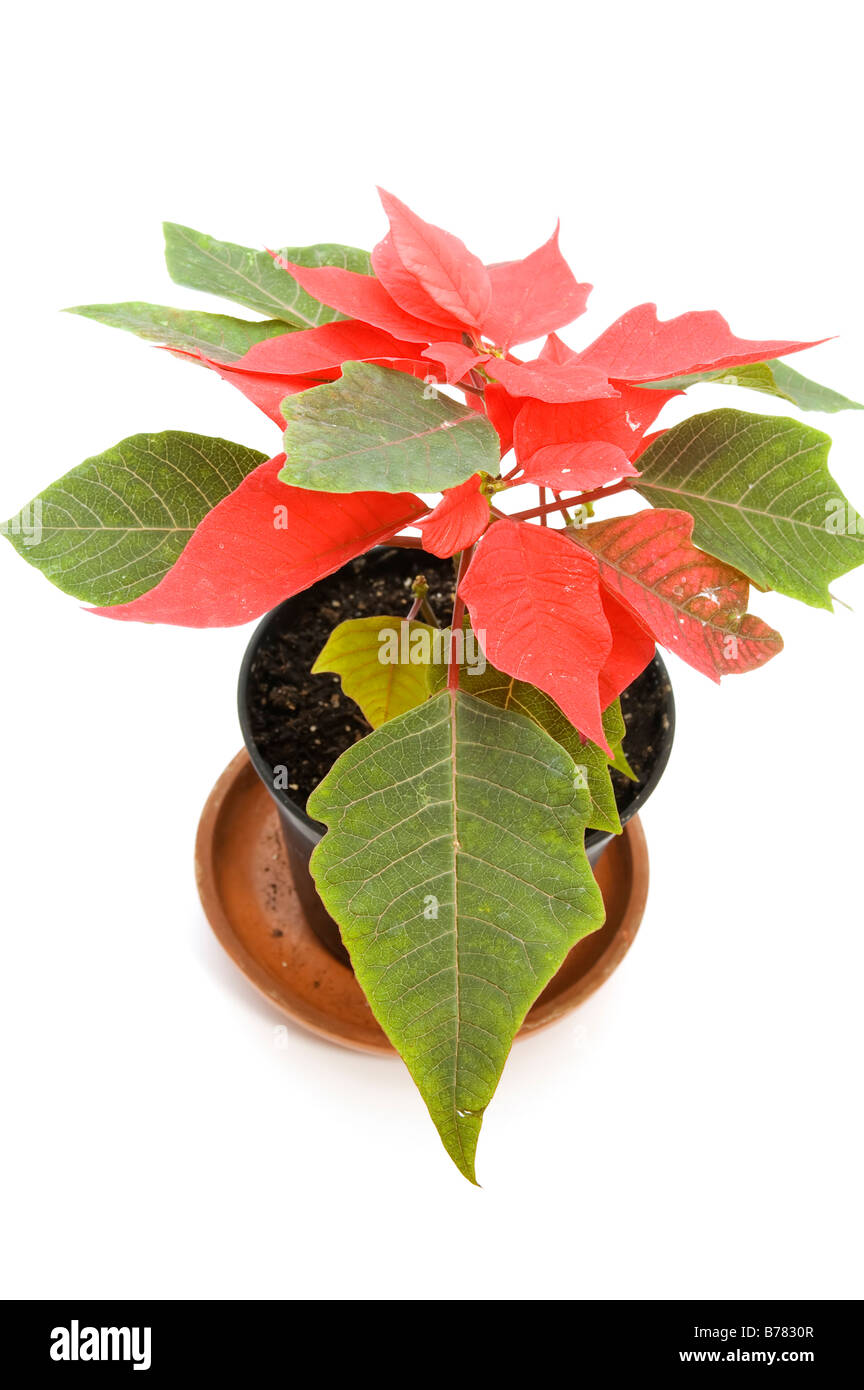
[(420, 607), (564, 512), (577, 501), (544, 520), (456, 620), (476, 383), (428, 613), (406, 542)]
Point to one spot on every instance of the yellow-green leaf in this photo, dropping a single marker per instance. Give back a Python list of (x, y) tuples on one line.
[(386, 665)]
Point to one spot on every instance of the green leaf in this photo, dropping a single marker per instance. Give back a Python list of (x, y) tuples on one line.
[(620, 763), (216, 335), (375, 429), (761, 496), (110, 529), (505, 692), (386, 665), (454, 865), (250, 277), (806, 394), (775, 378), (615, 730)]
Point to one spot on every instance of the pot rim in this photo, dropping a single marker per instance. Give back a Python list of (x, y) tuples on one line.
[(593, 838)]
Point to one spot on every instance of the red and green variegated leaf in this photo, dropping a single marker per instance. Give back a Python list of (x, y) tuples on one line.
[(539, 616), (459, 519), (641, 347), (762, 498), (262, 544), (545, 381), (110, 529), (694, 605), (551, 440), (444, 267), (772, 378), (534, 296), (365, 298)]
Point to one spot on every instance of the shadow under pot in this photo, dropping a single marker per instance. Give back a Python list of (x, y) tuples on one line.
[(295, 724)]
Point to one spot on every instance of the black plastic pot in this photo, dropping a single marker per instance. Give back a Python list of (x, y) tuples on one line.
[(650, 695)]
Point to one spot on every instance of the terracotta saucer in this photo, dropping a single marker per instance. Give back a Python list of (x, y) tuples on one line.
[(251, 903)]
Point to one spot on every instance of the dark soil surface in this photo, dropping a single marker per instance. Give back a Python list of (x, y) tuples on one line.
[(304, 722)]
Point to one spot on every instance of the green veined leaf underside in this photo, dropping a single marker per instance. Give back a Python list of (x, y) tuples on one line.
[(379, 429), (762, 499), (251, 277), (454, 865), (774, 378), (215, 335), (110, 529)]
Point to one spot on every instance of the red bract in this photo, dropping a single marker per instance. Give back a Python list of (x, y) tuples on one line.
[(547, 382), (576, 467), (532, 297), (266, 390), (537, 609), (294, 362), (263, 543), (458, 521), (327, 346), (555, 444), (640, 347), (632, 647), (405, 289), (457, 359), (365, 298), (503, 411), (442, 265)]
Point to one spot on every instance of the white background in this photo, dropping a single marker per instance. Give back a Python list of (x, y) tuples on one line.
[(695, 1129)]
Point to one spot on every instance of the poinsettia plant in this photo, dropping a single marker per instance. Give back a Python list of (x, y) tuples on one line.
[(394, 375)]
